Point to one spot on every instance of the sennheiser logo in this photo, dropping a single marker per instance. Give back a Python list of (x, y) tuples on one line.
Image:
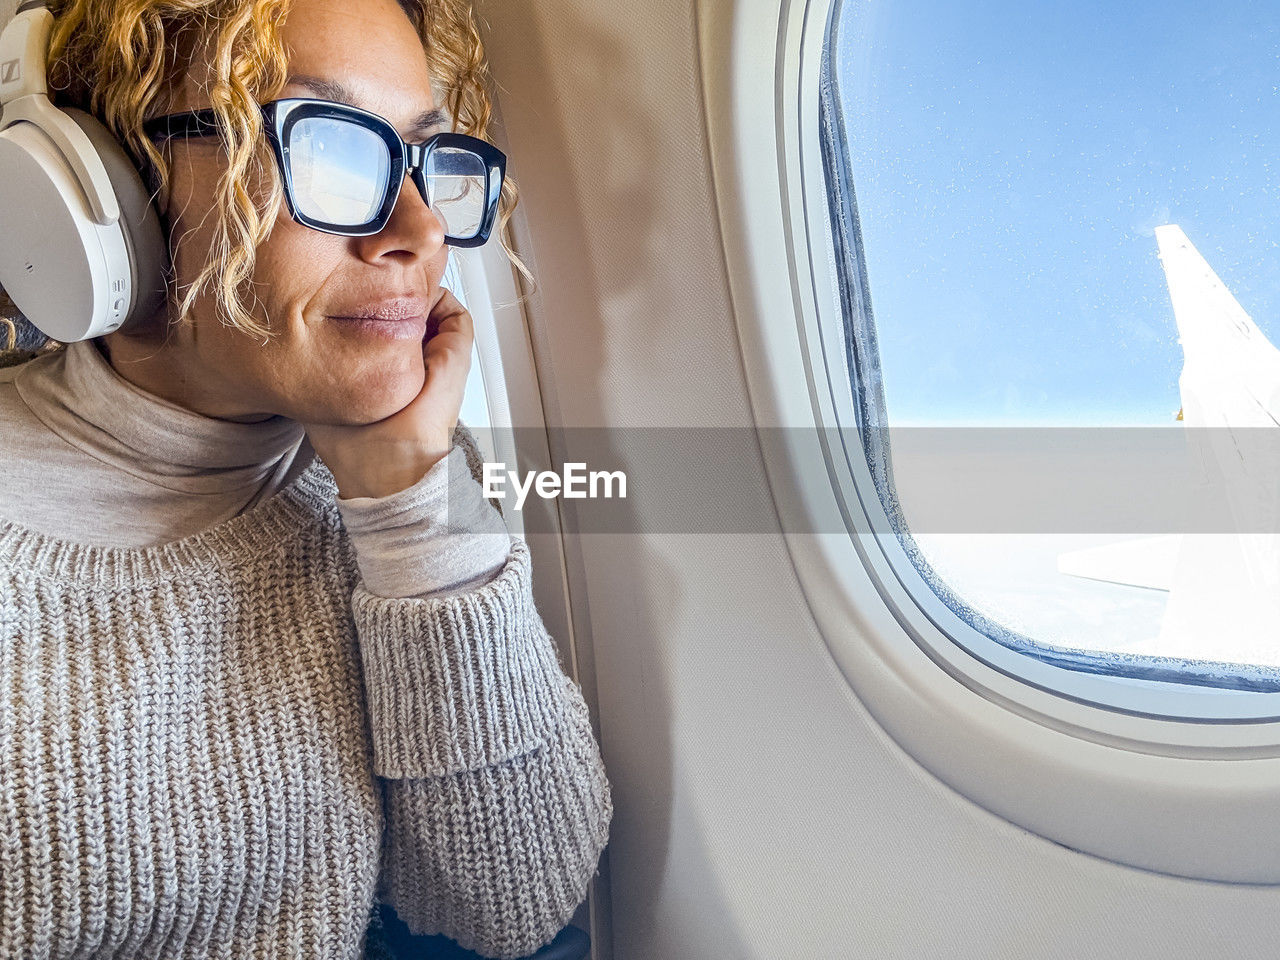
[(10, 71)]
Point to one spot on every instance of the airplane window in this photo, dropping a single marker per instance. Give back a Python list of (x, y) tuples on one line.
[(1068, 219), (475, 403)]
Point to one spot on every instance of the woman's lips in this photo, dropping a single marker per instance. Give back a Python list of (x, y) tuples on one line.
[(399, 317), (404, 328)]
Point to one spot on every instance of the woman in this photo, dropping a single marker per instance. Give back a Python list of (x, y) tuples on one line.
[(266, 654)]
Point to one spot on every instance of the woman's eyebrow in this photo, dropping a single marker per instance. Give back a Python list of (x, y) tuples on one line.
[(338, 92)]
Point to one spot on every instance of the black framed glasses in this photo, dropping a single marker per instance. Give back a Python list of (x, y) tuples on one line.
[(343, 168)]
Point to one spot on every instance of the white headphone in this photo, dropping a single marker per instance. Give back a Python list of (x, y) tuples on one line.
[(82, 252)]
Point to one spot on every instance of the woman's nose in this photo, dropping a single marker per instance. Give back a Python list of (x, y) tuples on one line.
[(414, 230)]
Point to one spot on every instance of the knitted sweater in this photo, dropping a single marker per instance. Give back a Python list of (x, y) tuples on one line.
[(228, 746)]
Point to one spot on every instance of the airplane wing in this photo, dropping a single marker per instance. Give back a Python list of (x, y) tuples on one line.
[(1231, 371), (1146, 562), (1223, 586)]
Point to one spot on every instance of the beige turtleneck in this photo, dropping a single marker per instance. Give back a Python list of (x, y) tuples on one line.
[(113, 465)]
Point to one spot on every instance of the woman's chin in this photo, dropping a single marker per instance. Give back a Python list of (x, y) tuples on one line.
[(369, 406), (383, 390)]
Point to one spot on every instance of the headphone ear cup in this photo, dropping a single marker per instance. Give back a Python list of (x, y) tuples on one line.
[(139, 222)]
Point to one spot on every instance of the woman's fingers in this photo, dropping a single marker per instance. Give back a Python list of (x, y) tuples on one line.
[(448, 315), (446, 352)]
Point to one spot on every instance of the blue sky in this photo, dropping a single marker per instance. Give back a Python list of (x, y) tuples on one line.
[(1011, 160)]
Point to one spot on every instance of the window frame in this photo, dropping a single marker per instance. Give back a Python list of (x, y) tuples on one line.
[(1162, 776)]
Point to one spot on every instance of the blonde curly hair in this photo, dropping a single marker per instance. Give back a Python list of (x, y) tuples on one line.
[(119, 60)]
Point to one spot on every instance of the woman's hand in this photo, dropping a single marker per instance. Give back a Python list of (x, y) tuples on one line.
[(388, 455)]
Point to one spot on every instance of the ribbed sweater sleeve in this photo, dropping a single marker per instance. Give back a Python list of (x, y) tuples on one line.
[(439, 536), (497, 801)]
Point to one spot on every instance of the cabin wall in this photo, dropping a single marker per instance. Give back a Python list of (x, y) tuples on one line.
[(760, 810)]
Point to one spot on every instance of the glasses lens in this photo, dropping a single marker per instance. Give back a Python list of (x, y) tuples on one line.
[(339, 170), (457, 182)]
